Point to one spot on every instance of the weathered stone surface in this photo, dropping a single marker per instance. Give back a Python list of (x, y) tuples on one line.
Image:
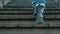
[(27, 17), (18, 13), (53, 31), (20, 23), (54, 25), (31, 31), (27, 3), (29, 23), (41, 25), (23, 31), (30, 11)]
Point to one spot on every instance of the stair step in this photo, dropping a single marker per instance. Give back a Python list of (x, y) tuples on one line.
[(29, 23), (23, 31), (28, 17), (28, 12), (28, 8), (30, 30), (47, 6), (20, 23), (27, 3), (54, 25)]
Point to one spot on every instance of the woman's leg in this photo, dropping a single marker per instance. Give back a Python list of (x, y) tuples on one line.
[(6, 1), (34, 7), (35, 10), (1, 4), (40, 14)]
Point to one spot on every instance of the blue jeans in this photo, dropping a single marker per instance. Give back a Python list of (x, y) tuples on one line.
[(4, 2), (39, 11)]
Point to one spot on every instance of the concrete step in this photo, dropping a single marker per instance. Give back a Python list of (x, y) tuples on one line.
[(28, 17), (28, 8), (47, 6), (27, 3), (30, 30), (26, 31), (28, 11), (53, 23), (20, 23), (29, 23)]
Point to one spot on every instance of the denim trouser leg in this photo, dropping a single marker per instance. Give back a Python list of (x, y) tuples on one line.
[(40, 14), (34, 7), (35, 10), (40, 11), (1, 5)]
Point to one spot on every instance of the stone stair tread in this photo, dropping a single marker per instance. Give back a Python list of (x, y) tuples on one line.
[(29, 23), (28, 17), (54, 25), (30, 30), (23, 30), (20, 23), (51, 4), (28, 8), (26, 12)]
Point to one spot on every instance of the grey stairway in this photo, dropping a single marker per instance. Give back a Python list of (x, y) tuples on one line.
[(16, 18), (16, 14)]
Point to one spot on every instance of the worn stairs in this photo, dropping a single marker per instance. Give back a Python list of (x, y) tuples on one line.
[(16, 17)]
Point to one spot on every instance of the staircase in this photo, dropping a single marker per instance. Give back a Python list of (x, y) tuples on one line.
[(16, 17)]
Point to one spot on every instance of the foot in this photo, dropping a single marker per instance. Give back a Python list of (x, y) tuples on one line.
[(40, 20)]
